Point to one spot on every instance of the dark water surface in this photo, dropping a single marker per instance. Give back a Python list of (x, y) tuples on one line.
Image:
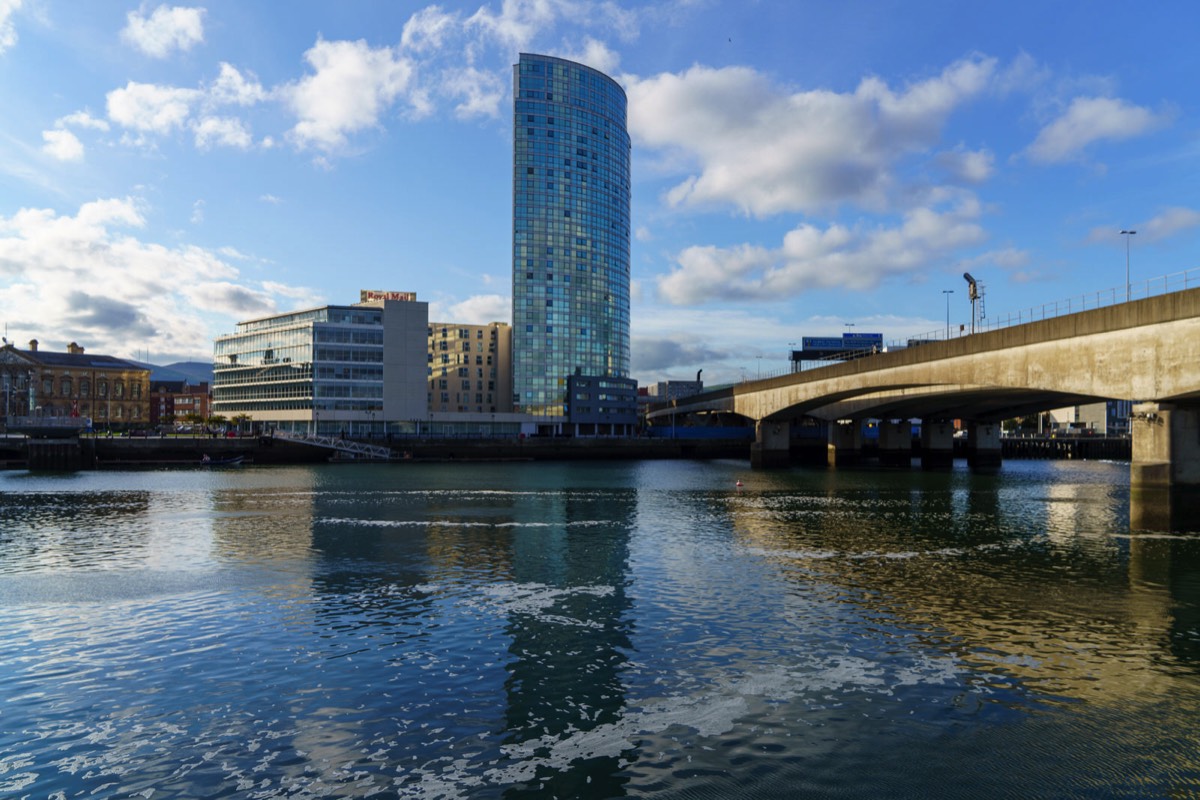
[(594, 630)]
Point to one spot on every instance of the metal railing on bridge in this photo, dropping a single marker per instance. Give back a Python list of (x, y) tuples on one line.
[(346, 447), (1151, 287), (67, 426)]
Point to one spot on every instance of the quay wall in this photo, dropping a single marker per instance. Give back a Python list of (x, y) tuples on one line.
[(124, 452)]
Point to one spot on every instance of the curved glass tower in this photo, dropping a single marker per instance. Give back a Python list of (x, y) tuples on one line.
[(570, 230)]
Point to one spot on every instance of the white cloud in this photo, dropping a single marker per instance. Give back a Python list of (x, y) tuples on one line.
[(1170, 222), (234, 299), (481, 92), (597, 55), (62, 145), (1008, 258), (477, 310), (197, 212), (766, 151), (232, 88), (812, 258), (150, 108), (1088, 120), (428, 29), (518, 22), (89, 278), (224, 131), (352, 85), (81, 119), (967, 166), (270, 198), (8, 31), (166, 29), (302, 296)]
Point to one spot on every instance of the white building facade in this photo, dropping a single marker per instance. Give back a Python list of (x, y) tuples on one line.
[(335, 370)]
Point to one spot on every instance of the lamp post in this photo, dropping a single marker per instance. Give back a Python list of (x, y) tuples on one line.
[(1127, 234), (947, 292)]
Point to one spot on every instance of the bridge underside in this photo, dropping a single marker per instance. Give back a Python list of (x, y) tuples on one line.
[(978, 403)]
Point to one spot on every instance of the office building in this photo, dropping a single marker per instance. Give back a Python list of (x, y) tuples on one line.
[(336, 370), (571, 252)]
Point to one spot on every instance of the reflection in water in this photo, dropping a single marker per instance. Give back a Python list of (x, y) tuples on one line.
[(594, 630)]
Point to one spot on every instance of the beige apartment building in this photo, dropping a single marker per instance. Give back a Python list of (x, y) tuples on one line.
[(470, 368)]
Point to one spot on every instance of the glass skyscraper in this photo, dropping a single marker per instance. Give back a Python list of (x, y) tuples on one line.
[(570, 230)]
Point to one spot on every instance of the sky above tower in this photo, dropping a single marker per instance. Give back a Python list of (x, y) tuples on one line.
[(799, 168)]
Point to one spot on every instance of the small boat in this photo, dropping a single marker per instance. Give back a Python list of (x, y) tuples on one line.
[(226, 461)]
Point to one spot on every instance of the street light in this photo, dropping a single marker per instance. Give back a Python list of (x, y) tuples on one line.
[(1127, 235), (947, 292)]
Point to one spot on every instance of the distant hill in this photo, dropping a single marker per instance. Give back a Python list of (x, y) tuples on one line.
[(195, 371)]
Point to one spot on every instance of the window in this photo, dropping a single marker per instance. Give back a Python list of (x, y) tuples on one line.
[(64, 387)]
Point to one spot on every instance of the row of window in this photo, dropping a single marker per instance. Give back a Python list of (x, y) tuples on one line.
[(463, 333), (444, 383), (67, 386), (100, 411)]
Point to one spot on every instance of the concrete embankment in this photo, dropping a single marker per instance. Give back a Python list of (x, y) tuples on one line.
[(132, 452), (126, 452)]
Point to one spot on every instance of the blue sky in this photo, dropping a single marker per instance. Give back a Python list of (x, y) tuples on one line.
[(799, 168)]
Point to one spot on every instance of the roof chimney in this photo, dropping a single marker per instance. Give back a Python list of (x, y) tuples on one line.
[(74, 349), (33, 345)]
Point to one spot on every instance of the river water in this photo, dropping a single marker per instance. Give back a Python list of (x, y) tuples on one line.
[(579, 630)]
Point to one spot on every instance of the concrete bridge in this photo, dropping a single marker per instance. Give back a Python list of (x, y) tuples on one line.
[(1146, 350)]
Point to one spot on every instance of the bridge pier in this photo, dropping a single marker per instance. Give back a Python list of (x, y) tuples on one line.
[(772, 444), (895, 443), (1155, 509), (937, 445), (845, 443), (983, 445), (1166, 446)]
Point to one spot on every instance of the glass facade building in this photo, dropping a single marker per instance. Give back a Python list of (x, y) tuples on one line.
[(571, 253), (326, 369)]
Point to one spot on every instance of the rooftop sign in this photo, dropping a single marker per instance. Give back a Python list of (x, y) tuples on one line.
[(374, 295)]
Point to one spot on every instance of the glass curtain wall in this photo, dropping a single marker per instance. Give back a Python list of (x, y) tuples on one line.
[(325, 359), (571, 194)]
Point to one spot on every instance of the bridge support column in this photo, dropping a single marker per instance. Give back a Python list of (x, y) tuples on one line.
[(845, 443), (983, 445), (1166, 446), (772, 444), (937, 445), (895, 443)]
